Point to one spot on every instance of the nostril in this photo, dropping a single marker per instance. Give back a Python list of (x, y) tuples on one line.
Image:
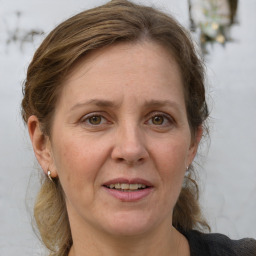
[(133, 162), (129, 154), (120, 160)]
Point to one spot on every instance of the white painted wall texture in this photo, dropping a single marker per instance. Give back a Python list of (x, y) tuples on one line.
[(228, 172)]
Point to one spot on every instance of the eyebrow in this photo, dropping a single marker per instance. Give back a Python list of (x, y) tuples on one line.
[(110, 104), (161, 103), (96, 102)]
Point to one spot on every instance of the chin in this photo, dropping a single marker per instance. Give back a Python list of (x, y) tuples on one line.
[(127, 224)]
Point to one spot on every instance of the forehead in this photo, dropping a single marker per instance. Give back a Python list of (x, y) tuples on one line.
[(145, 51), (141, 67)]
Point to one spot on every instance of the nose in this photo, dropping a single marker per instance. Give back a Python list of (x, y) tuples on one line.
[(129, 145)]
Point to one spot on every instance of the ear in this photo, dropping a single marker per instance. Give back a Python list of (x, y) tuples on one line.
[(41, 146), (194, 144)]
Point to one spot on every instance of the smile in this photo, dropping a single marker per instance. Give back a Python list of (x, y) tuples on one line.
[(126, 187), (128, 190)]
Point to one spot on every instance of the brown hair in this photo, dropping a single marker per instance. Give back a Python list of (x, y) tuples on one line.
[(116, 21)]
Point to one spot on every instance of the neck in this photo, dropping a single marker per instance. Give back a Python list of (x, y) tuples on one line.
[(168, 242)]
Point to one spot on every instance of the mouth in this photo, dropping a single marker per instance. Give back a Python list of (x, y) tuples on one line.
[(128, 190), (126, 187)]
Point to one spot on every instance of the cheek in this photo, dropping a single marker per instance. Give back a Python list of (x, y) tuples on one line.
[(171, 160), (75, 162), (171, 156)]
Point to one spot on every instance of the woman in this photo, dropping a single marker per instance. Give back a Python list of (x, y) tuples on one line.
[(115, 106)]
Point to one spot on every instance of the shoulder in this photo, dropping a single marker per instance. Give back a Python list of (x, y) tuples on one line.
[(219, 245)]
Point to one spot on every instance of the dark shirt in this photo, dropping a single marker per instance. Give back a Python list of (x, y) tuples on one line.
[(218, 245)]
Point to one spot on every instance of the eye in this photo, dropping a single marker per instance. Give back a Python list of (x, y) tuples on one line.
[(157, 120), (160, 119), (94, 120)]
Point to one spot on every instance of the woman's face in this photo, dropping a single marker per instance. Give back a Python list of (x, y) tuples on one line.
[(121, 141)]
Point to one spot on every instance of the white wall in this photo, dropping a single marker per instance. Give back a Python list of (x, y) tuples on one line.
[(228, 174)]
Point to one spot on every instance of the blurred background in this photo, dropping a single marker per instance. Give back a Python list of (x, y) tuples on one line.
[(227, 161)]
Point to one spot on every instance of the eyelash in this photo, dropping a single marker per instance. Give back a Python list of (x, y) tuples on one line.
[(86, 119), (167, 120)]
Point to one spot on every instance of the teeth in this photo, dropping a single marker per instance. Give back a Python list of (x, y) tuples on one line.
[(125, 186), (134, 186), (117, 186)]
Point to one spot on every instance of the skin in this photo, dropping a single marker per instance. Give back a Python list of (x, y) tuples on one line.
[(121, 113)]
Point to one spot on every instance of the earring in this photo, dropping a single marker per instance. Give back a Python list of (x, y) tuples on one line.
[(187, 168), (49, 175)]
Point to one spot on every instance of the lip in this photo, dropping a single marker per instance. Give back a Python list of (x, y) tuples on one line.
[(129, 181), (129, 196)]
